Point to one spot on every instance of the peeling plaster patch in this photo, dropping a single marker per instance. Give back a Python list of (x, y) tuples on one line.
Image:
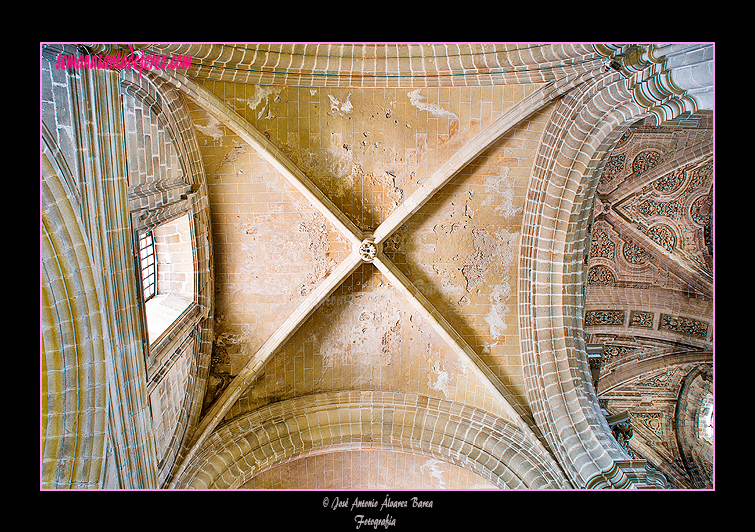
[(478, 262), (339, 160), (230, 156), (496, 317), (500, 194), (473, 270), (497, 314), (213, 129), (226, 339), (448, 284), (233, 154), (434, 468), (415, 98), (339, 174), (353, 335), (285, 258), (228, 346), (262, 94), (438, 378), (318, 248), (331, 169), (394, 192), (507, 252), (344, 107), (492, 252)]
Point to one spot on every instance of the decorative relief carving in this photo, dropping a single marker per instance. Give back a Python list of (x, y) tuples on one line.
[(670, 183), (640, 318), (612, 168), (368, 250), (645, 160), (622, 430), (708, 468), (634, 253), (700, 176), (673, 211), (662, 235), (652, 421), (662, 379), (600, 276), (613, 352), (701, 210), (601, 245), (604, 317), (669, 209), (643, 318), (624, 138), (684, 325)]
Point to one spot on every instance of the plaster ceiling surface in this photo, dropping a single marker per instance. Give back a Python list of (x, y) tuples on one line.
[(367, 150), (307, 152), (373, 351)]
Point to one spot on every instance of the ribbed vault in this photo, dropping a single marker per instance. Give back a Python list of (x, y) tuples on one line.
[(391, 247), (466, 356)]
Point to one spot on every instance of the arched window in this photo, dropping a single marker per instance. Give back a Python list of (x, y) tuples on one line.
[(167, 273)]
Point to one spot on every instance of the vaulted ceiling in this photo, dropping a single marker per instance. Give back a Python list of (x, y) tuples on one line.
[(434, 313), (368, 211), (442, 291)]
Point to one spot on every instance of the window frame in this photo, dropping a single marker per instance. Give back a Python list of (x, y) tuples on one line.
[(148, 251), (158, 348)]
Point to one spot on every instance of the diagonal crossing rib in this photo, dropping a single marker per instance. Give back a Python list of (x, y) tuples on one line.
[(268, 151), (471, 150), (252, 368), (365, 248), (454, 340)]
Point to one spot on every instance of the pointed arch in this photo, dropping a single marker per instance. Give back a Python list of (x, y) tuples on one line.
[(585, 124), (490, 446), (73, 374), (180, 356)]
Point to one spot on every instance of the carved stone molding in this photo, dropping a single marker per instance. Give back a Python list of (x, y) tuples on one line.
[(669, 79)]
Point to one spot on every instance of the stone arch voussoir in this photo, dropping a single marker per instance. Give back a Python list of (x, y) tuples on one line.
[(490, 446), (73, 383), (583, 127)]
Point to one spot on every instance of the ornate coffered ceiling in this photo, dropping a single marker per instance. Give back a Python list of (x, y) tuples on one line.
[(653, 210), (650, 286), (396, 261)]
